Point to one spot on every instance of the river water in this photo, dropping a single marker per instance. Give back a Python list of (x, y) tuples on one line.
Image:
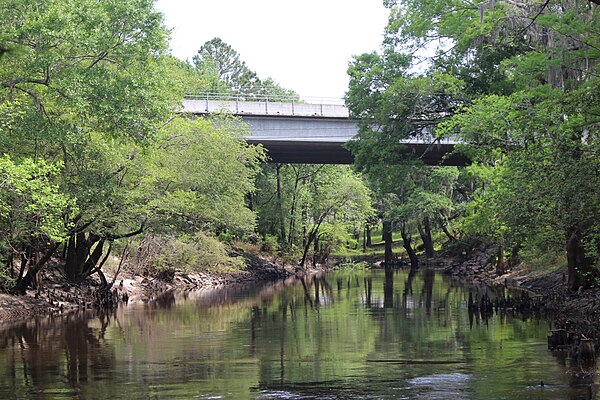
[(344, 335)]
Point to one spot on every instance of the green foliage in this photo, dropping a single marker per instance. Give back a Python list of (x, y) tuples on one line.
[(270, 244), (87, 64), (197, 175), (322, 202), (517, 81), (218, 56), (87, 95), (198, 252), (195, 80), (31, 207)]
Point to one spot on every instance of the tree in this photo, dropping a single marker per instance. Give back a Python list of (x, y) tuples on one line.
[(32, 212), (394, 105), (338, 196), (219, 56), (86, 82), (526, 72), (195, 80), (315, 205), (197, 176), (215, 57), (86, 114)]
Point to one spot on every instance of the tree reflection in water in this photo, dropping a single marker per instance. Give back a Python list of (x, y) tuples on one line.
[(72, 345), (342, 335)]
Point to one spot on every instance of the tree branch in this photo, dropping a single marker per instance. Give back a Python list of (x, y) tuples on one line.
[(127, 235), (536, 17)]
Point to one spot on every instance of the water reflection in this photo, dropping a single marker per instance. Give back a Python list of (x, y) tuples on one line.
[(355, 334), (72, 350)]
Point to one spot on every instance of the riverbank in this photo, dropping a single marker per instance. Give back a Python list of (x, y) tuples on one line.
[(566, 310), (578, 314), (57, 296)]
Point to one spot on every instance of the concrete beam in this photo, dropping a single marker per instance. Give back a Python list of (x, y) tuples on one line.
[(311, 152)]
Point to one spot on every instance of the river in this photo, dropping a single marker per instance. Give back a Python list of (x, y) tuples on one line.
[(344, 335)]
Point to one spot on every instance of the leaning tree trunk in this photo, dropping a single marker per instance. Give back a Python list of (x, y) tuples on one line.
[(33, 270), (450, 236), (292, 226), (406, 243), (26, 257), (307, 244), (312, 236)]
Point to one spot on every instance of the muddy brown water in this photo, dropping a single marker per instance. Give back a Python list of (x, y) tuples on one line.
[(344, 335)]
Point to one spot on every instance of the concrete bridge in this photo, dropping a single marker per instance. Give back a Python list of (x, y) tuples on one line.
[(311, 133)]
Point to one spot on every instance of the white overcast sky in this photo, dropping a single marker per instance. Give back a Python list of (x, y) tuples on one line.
[(304, 45)]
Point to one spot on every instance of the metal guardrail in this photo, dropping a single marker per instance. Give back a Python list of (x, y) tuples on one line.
[(267, 98), (204, 103)]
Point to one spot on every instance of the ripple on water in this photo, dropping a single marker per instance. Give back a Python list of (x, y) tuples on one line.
[(441, 386)]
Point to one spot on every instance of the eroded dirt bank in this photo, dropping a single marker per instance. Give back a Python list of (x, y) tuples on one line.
[(57, 296)]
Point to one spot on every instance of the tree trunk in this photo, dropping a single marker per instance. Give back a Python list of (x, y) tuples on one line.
[(578, 265), (312, 236), (24, 259), (500, 264), (387, 238), (425, 232), (76, 252), (293, 211), (282, 235), (447, 233), (514, 258), (406, 243), (28, 279), (79, 261), (369, 239), (306, 248), (315, 250), (304, 223)]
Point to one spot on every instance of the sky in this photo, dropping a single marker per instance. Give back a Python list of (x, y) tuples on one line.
[(304, 45)]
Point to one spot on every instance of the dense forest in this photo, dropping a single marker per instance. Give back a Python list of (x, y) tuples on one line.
[(517, 83), (97, 161), (93, 150)]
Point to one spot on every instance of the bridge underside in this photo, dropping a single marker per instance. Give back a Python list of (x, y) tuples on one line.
[(320, 152), (312, 134)]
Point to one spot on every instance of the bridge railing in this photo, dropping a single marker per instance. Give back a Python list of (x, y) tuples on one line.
[(260, 97), (260, 104)]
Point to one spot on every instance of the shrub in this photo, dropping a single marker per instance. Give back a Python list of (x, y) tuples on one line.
[(270, 244), (198, 252)]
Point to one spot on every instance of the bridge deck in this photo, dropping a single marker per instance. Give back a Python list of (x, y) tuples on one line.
[(311, 133)]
